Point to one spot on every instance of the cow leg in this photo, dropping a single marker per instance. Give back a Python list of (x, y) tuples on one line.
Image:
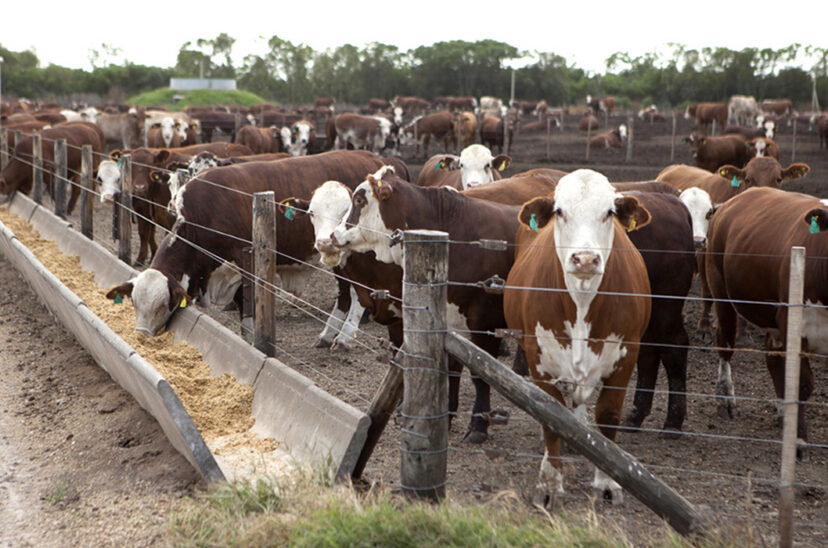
[(145, 235), (608, 417), (479, 425), (675, 363), (337, 315), (73, 194), (725, 337), (705, 327), (351, 326), (648, 359)]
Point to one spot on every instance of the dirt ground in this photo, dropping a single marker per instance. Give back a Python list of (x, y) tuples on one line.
[(82, 464)]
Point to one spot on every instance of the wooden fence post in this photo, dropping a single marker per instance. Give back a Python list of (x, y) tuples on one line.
[(629, 139), (37, 168), (673, 140), (589, 133), (793, 143), (264, 267), (125, 213), (87, 196), (59, 179), (4, 148), (424, 443), (548, 136), (791, 403), (237, 122)]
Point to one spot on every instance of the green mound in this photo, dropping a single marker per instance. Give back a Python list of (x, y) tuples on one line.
[(164, 96)]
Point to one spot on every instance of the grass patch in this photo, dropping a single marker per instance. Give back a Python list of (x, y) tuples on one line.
[(61, 493), (307, 514), (164, 96)]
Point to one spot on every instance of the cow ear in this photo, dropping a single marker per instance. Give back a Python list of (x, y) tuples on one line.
[(730, 172), (292, 207), (155, 176), (162, 156), (536, 214), (178, 295), (817, 219), (381, 189), (125, 289), (712, 211), (501, 162), (446, 162), (795, 171), (631, 213), (115, 155)]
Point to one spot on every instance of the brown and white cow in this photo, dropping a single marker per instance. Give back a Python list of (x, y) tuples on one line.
[(465, 128), (779, 107), (410, 104), (182, 270), (587, 336), (324, 102), (492, 134), (490, 106), (464, 103), (712, 152), (763, 146), (302, 138), (601, 104), (164, 134), (652, 114), (707, 113), (123, 129), (263, 140), (379, 105), (422, 129), (475, 166), (384, 203), (750, 244), (752, 132), (610, 139), (17, 175), (360, 131), (588, 122)]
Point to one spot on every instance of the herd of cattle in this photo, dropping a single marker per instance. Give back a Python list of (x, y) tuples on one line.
[(596, 272)]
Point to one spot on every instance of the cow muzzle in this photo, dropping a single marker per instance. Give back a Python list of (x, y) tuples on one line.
[(700, 243), (585, 264)]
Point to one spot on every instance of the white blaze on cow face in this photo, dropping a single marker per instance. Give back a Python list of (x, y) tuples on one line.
[(770, 128), (151, 299), (476, 166), (622, 131), (368, 233), (109, 174), (398, 115), (328, 206), (698, 203), (761, 148), (182, 128), (287, 138), (167, 130), (300, 135)]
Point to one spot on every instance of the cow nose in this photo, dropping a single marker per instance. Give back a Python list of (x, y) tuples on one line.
[(700, 242), (326, 245), (585, 262)]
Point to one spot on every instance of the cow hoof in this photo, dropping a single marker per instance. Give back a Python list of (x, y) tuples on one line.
[(802, 452), (744, 340), (339, 345), (548, 500), (670, 433), (322, 343), (611, 495), (633, 422), (726, 409), (475, 437)]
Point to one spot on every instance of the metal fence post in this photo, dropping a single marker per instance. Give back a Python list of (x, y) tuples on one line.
[(264, 267), (791, 403), (424, 442)]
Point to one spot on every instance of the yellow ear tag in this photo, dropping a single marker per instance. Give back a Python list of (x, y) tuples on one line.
[(631, 226), (379, 184), (183, 302), (502, 166)]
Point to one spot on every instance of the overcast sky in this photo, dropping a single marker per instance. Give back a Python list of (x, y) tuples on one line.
[(151, 32)]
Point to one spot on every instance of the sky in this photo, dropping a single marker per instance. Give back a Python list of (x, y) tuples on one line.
[(151, 32)]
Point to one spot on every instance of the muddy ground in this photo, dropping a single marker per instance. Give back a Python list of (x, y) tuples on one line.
[(65, 424)]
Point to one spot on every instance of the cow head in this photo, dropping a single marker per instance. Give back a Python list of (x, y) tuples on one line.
[(155, 296), (582, 211), (301, 134), (622, 131), (398, 115), (327, 207), (168, 130), (202, 161), (701, 209), (363, 227), (477, 165), (764, 171), (770, 128), (109, 177)]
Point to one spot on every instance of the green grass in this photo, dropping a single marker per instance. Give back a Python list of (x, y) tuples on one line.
[(307, 514), (164, 96)]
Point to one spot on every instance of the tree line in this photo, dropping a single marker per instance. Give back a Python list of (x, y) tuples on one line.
[(291, 73)]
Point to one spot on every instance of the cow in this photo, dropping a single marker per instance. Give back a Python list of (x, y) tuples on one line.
[(742, 109), (326, 102), (17, 175), (384, 203), (475, 166), (766, 130), (601, 104), (779, 107), (749, 261), (49, 116), (223, 122), (524, 107), (712, 152), (164, 134), (361, 131), (822, 130), (537, 126), (462, 103), (588, 122), (28, 128), (122, 129), (263, 140), (422, 129), (762, 146), (200, 240), (706, 114), (492, 134), (379, 105), (491, 106), (585, 331), (464, 125), (302, 138), (411, 105), (609, 139), (151, 196), (652, 114)]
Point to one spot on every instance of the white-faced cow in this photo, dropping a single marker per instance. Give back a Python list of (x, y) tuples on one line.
[(475, 166)]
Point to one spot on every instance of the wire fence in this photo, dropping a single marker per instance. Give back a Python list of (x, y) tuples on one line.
[(374, 345)]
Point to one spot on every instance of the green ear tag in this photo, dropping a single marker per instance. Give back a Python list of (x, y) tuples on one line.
[(533, 224), (439, 165), (734, 182), (118, 299), (289, 213), (814, 228), (119, 162)]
